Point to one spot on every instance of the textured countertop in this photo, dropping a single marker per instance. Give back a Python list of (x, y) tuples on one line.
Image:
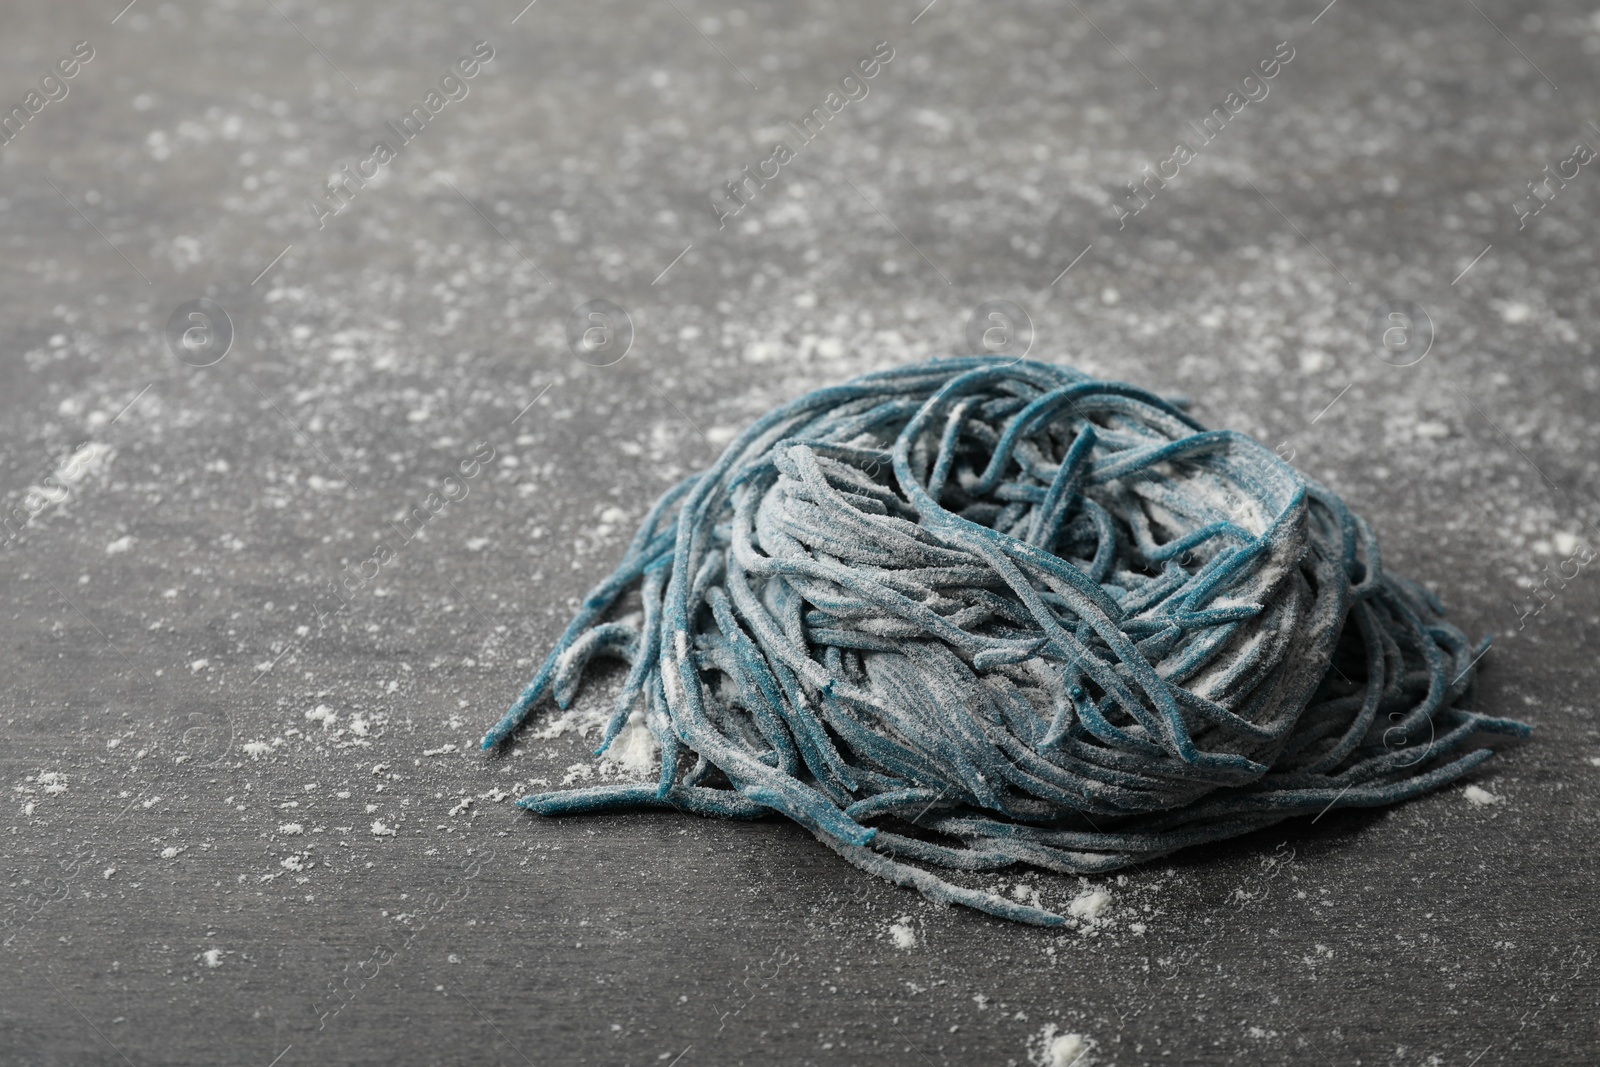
[(246, 821)]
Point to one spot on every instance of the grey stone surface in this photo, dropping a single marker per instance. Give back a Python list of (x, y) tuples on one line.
[(162, 647)]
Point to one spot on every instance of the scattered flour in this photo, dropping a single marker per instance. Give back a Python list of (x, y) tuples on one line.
[(51, 783), (1479, 797), (1089, 905), (901, 933), (1026, 894), (382, 829), (1513, 311), (580, 719), (91, 457), (635, 750), (212, 957), (1053, 1049)]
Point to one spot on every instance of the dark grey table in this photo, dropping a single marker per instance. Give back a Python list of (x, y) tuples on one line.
[(246, 819)]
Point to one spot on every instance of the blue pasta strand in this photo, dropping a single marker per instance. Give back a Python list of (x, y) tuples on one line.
[(974, 613)]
